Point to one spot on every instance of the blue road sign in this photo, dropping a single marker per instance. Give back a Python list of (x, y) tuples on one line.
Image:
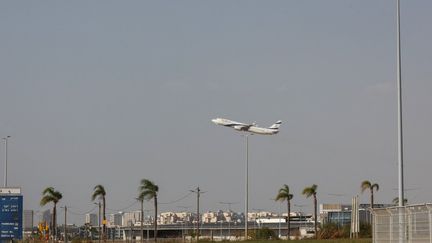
[(11, 212)]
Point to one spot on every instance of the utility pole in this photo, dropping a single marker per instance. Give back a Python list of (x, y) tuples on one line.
[(198, 192), (65, 225)]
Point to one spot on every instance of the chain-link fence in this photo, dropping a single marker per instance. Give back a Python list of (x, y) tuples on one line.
[(406, 224)]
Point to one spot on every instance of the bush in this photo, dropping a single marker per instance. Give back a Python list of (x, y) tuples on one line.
[(365, 231), (263, 234), (333, 231)]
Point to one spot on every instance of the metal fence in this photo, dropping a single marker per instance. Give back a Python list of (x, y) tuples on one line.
[(406, 224)]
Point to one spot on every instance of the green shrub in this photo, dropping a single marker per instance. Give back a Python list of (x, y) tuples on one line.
[(263, 234)]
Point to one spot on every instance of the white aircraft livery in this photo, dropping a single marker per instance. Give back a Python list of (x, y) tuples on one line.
[(252, 128)]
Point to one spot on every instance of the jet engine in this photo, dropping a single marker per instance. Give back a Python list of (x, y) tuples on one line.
[(239, 128)]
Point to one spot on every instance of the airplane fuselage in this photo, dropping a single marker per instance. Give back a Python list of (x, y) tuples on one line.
[(262, 130), (252, 128)]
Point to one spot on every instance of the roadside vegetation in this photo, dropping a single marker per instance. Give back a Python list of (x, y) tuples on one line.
[(148, 190)]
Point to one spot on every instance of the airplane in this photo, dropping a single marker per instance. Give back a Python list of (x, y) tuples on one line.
[(252, 128)]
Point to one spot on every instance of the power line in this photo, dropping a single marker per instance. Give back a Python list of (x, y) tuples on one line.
[(177, 200), (84, 213), (122, 209)]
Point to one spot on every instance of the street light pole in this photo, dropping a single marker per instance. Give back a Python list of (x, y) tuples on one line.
[(99, 220), (246, 187), (400, 134), (399, 86), (6, 159), (65, 223)]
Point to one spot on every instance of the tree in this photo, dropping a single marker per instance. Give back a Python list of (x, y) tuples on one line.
[(148, 190), (308, 192), (396, 201), (368, 185), (100, 193), (51, 195), (284, 194)]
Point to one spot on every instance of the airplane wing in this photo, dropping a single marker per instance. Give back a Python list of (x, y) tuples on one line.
[(233, 124), (239, 126)]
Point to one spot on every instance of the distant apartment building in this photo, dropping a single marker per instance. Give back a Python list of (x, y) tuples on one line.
[(28, 223), (131, 218), (229, 216), (168, 218), (185, 217), (91, 219), (252, 216), (115, 219), (209, 217)]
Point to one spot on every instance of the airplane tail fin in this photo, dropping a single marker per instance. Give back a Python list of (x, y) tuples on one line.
[(276, 125)]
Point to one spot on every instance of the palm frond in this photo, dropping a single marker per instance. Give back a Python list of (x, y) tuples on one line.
[(147, 189), (98, 192), (47, 199), (284, 194), (309, 191), (365, 185), (50, 195), (48, 190), (58, 195)]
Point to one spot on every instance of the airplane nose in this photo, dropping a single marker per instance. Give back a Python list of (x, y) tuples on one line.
[(213, 120)]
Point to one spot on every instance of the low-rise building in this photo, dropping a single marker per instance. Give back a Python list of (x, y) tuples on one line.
[(168, 218)]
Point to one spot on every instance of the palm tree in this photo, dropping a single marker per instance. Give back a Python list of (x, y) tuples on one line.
[(51, 195), (368, 185), (100, 193), (148, 190), (308, 192), (396, 201), (284, 194)]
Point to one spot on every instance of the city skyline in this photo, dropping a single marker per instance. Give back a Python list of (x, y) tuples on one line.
[(108, 93)]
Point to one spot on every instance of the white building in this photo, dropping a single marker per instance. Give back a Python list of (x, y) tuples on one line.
[(229, 216), (187, 217), (252, 216), (115, 219), (131, 218), (168, 218), (212, 217), (91, 219)]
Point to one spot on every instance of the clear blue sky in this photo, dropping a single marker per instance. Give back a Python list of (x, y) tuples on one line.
[(110, 92)]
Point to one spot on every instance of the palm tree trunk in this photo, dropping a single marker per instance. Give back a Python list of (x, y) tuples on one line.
[(54, 223), (142, 220), (155, 219), (104, 221), (372, 198), (288, 220), (316, 217)]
